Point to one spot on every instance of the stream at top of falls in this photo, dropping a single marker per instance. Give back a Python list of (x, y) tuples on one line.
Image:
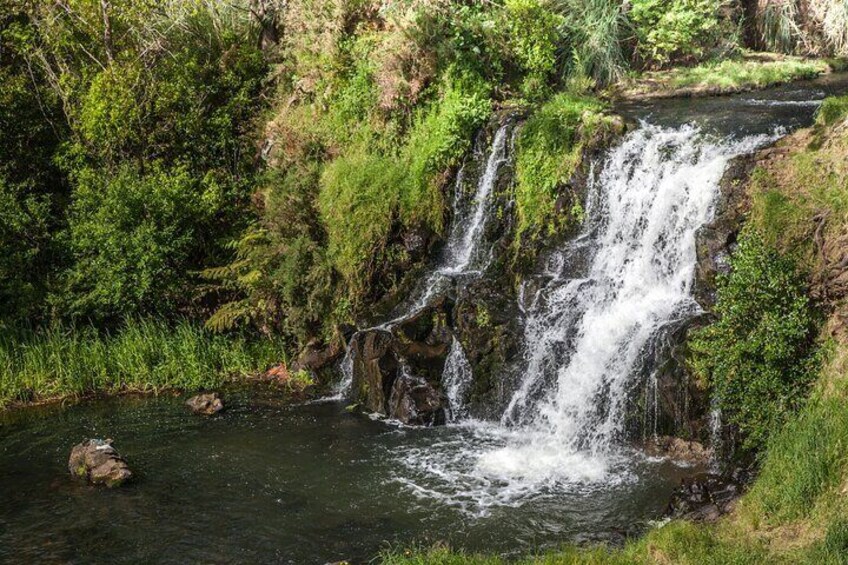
[(311, 483)]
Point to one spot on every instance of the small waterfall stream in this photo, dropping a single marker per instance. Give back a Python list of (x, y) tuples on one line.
[(465, 254)]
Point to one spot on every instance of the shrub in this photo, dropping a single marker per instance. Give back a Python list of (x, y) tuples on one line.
[(134, 237), (759, 355), (676, 30), (534, 38)]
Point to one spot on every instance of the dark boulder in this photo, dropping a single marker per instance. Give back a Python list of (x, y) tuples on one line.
[(208, 403), (415, 402), (707, 496), (397, 371), (97, 462)]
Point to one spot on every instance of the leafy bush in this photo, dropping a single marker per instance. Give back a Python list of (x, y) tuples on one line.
[(675, 30), (133, 236), (759, 355), (534, 38)]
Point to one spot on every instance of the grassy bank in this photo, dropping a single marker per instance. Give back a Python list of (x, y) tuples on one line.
[(752, 72), (145, 356)]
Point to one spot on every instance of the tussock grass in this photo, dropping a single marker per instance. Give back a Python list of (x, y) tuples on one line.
[(144, 356), (833, 110)]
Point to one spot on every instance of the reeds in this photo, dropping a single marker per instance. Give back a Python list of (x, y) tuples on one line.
[(144, 356)]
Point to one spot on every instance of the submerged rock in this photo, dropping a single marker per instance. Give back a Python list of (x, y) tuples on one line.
[(707, 496), (97, 462), (208, 403)]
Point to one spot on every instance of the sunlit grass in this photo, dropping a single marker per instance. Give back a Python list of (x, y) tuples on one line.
[(144, 356)]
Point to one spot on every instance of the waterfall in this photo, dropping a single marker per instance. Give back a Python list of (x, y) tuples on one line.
[(611, 292), (465, 254), (588, 330), (456, 378)]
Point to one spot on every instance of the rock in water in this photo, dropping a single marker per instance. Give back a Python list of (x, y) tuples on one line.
[(678, 449), (208, 403), (96, 461), (414, 402)]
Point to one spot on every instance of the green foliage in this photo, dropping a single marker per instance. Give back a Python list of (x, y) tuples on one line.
[(548, 151), (32, 192), (534, 34), (759, 355), (132, 235), (439, 138), (146, 355), (832, 111), (675, 30)]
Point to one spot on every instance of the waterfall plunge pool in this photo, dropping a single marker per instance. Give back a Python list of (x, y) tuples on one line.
[(261, 483)]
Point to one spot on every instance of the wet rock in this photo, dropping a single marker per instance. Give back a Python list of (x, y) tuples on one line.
[(413, 401), (207, 403), (397, 371), (319, 360), (486, 322), (374, 369), (678, 449), (706, 497), (716, 240), (97, 462)]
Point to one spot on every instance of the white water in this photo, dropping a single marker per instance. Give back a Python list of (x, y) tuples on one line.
[(465, 254), (625, 278)]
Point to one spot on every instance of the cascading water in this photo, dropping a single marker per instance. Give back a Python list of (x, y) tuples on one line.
[(610, 291), (465, 255)]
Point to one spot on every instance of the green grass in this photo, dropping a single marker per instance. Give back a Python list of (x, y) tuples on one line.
[(740, 74), (145, 356), (726, 76), (833, 110), (548, 151)]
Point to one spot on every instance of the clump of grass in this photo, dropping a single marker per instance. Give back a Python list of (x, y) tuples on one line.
[(731, 75), (144, 356), (833, 110), (548, 151)]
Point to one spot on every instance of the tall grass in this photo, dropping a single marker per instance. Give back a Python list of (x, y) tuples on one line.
[(777, 23), (145, 356), (597, 28)]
